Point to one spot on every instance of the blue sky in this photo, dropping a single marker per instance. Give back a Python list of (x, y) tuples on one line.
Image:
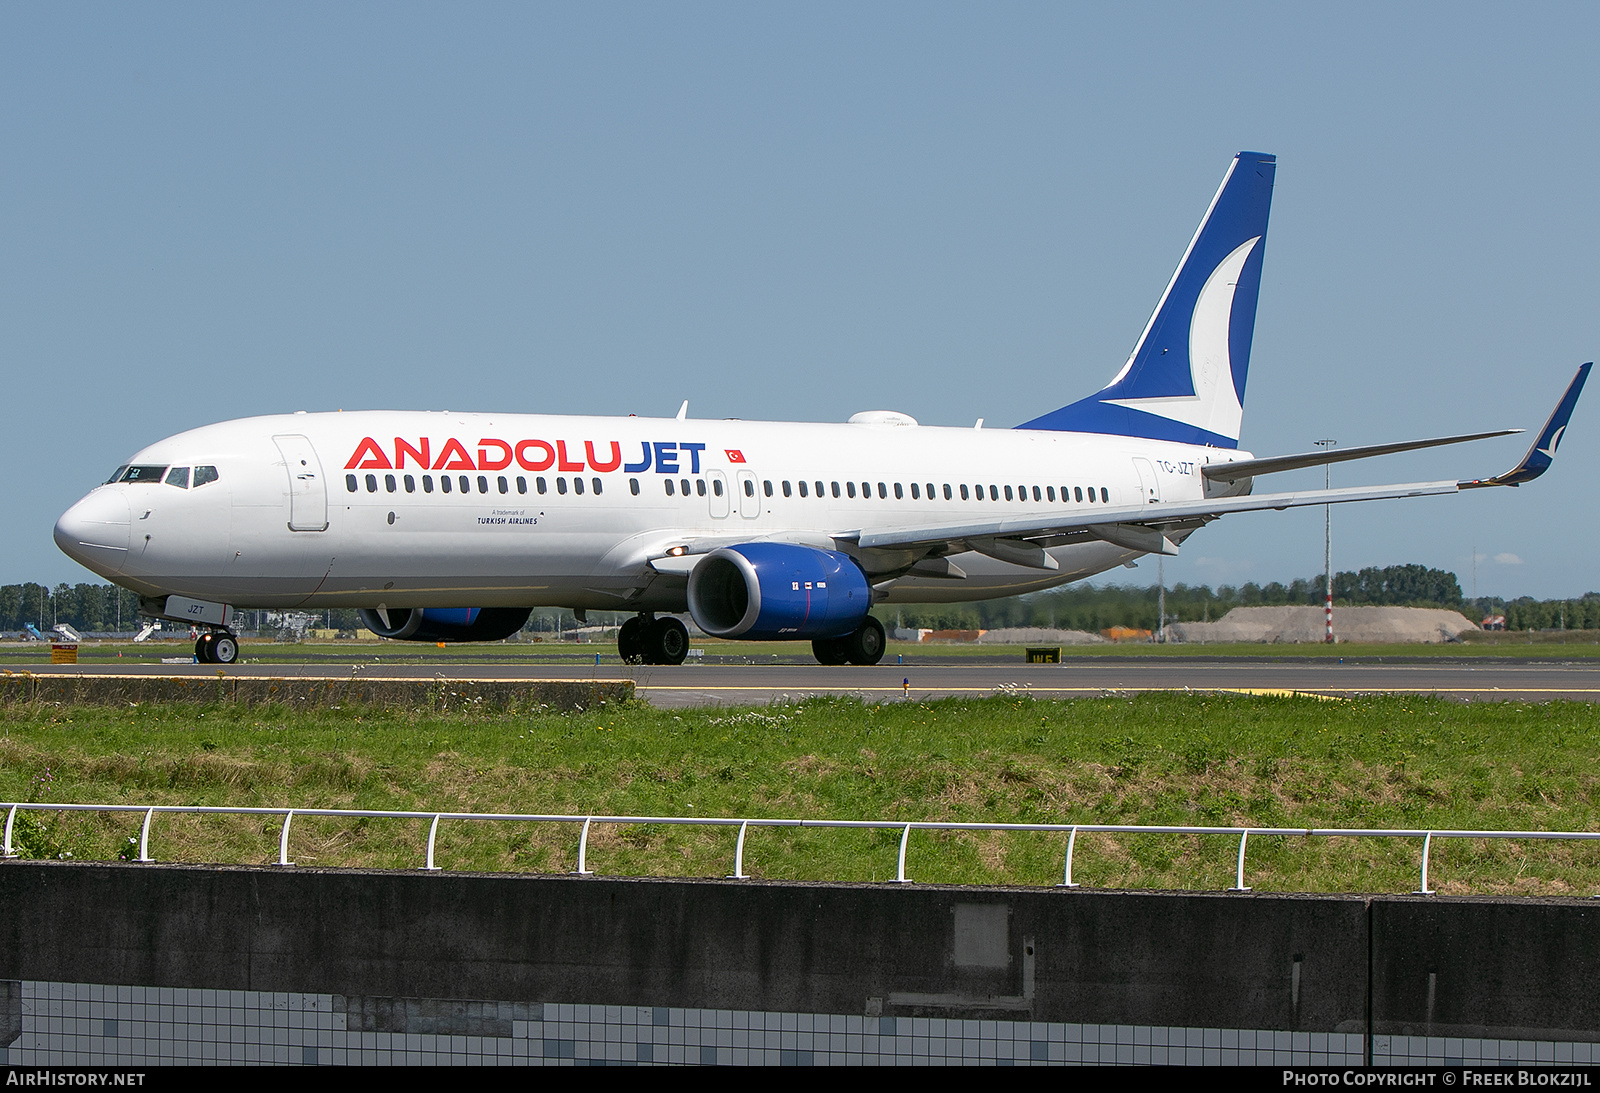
[(209, 211)]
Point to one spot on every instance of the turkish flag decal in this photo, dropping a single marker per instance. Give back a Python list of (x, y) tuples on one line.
[(734, 455)]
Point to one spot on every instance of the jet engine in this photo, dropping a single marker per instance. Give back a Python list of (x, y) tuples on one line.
[(446, 623), (778, 591)]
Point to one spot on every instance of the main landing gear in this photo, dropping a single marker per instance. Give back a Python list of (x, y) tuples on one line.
[(645, 639), (217, 647), (865, 646)]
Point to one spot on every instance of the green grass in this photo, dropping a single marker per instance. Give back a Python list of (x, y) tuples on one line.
[(1154, 759)]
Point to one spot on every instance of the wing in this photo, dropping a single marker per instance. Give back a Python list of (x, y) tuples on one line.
[(1156, 527)]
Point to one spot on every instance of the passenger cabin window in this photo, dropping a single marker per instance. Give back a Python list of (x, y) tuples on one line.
[(699, 487), (372, 483), (786, 491), (850, 488), (633, 486), (668, 483), (178, 476), (716, 486), (505, 487), (1008, 493), (963, 491), (522, 485), (595, 482), (819, 490), (389, 483), (411, 484), (802, 488), (444, 482), (143, 474), (883, 491), (1050, 492), (766, 487), (427, 483), (561, 485), (539, 484), (947, 496), (1105, 495), (1077, 493), (350, 482), (577, 486), (466, 484), (483, 485), (750, 488)]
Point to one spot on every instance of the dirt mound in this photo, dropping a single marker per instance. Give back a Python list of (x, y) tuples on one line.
[(1299, 624), (1036, 635)]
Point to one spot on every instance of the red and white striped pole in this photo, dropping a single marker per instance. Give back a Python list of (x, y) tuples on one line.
[(1327, 544)]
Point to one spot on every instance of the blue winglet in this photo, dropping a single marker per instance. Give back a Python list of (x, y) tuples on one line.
[(1185, 379), (1543, 451)]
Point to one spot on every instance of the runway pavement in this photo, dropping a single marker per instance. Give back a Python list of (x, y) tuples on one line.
[(751, 684)]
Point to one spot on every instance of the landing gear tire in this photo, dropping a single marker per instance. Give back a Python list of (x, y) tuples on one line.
[(631, 639), (216, 648), (830, 651), (666, 642), (866, 645)]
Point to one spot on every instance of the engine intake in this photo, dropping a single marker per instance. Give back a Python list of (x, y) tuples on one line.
[(778, 592), (447, 623)]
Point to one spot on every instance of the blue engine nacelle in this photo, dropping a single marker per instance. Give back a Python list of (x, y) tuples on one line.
[(447, 623), (778, 592)]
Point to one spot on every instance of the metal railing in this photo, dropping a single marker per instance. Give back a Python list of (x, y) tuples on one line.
[(1072, 831)]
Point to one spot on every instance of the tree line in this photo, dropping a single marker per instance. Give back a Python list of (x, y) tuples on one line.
[(105, 608)]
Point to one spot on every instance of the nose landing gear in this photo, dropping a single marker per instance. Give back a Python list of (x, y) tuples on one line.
[(645, 639), (217, 647)]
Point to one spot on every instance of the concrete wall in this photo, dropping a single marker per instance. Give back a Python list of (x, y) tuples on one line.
[(1515, 968)]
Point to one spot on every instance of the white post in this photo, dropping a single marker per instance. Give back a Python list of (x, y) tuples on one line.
[(144, 837), (1066, 876)]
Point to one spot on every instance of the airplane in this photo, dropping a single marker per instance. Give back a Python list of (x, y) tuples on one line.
[(451, 527)]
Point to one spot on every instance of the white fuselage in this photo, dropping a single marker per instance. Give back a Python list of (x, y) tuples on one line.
[(440, 509)]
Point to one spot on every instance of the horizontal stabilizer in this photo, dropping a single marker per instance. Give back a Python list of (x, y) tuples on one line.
[(1249, 468)]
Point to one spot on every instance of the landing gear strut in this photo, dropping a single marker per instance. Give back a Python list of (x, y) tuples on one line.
[(217, 647), (645, 639), (865, 646)]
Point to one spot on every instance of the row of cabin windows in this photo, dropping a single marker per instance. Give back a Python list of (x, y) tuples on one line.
[(392, 484), (682, 486), (1047, 493)]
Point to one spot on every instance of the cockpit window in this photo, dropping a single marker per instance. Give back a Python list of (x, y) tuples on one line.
[(202, 475), (142, 474), (178, 476), (116, 475)]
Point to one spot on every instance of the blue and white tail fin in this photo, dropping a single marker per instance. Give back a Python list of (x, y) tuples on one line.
[(1185, 379)]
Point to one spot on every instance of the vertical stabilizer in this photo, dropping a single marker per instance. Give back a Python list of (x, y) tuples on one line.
[(1186, 376)]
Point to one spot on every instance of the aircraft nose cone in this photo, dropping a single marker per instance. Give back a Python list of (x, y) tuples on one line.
[(95, 531)]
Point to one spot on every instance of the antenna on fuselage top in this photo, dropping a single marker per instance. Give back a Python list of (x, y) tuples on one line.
[(683, 411)]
